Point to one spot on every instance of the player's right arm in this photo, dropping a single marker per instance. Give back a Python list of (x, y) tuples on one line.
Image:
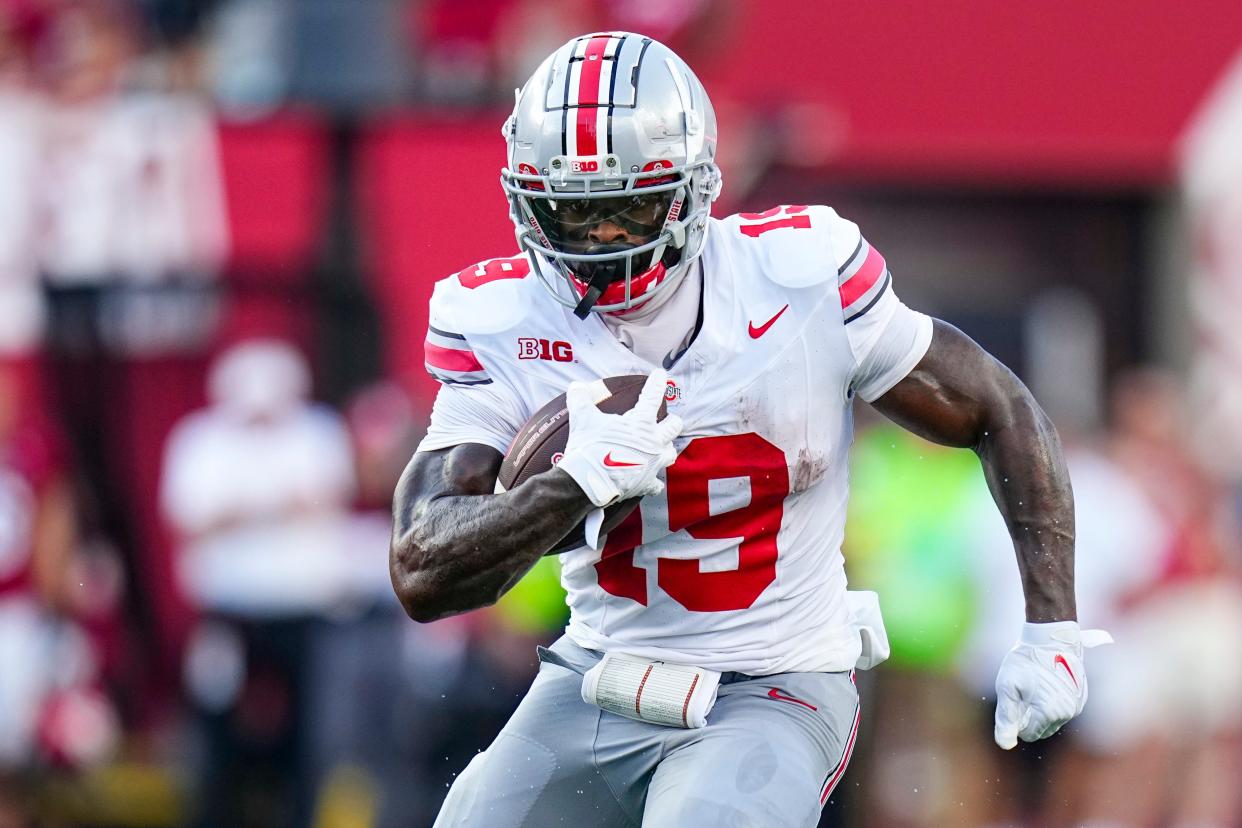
[(456, 546)]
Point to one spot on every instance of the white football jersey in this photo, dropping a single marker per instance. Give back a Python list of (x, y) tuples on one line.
[(738, 565)]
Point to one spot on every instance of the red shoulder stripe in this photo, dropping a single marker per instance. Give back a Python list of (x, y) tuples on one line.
[(864, 278), (450, 359)]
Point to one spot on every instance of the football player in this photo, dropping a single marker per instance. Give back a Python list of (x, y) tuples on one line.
[(727, 583)]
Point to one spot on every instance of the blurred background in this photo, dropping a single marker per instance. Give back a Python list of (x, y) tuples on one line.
[(220, 221)]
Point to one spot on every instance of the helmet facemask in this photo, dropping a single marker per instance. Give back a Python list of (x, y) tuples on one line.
[(653, 209)]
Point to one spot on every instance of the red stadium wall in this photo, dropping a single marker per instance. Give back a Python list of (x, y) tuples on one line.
[(431, 204), (1025, 92)]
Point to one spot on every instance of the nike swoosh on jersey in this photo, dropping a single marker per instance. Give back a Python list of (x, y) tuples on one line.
[(756, 332), (617, 464), (1060, 659), (779, 695)]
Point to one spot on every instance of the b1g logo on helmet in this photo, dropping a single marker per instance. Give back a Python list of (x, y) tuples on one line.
[(554, 350)]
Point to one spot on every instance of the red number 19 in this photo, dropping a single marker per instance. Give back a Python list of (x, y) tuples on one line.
[(688, 481), (792, 215)]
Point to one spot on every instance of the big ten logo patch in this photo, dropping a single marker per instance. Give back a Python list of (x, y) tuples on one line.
[(584, 165), (555, 350)]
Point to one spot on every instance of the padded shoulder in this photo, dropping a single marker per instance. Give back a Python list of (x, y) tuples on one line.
[(488, 297), (796, 246)]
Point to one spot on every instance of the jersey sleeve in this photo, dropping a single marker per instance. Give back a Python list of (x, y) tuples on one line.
[(886, 338), (483, 413), (470, 406), (449, 358)]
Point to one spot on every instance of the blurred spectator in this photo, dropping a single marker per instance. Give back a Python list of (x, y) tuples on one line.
[(477, 53), (1167, 712), (132, 180), (910, 510), (176, 20), (1157, 566), (257, 485), (1113, 557), (344, 56), (52, 710), (258, 488), (21, 22), (249, 56), (1211, 178), (693, 28), (21, 302), (454, 683), (384, 430), (349, 55), (461, 49), (123, 217)]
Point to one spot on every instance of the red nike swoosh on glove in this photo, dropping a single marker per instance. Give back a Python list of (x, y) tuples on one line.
[(617, 464), (779, 695), (755, 333), (1060, 659)]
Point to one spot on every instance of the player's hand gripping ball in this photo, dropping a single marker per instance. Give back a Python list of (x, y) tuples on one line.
[(613, 436)]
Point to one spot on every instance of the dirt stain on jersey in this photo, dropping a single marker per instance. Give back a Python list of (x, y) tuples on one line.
[(750, 411), (808, 470)]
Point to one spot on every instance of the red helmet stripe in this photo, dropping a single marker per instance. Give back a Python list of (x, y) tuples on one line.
[(589, 102)]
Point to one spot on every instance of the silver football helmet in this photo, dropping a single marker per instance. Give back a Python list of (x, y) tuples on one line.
[(612, 127)]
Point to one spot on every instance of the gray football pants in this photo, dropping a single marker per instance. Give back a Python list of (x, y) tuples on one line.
[(773, 749)]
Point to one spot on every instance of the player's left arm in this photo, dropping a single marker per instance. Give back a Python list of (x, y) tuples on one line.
[(935, 381), (960, 395)]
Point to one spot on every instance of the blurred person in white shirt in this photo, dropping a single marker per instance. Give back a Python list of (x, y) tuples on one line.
[(1157, 566), (1163, 735), (258, 488), (52, 708), (21, 299)]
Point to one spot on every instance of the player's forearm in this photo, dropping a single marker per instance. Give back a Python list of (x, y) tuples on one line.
[(958, 395), (456, 553), (1026, 472)]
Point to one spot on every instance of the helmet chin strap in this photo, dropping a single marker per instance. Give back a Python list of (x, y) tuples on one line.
[(599, 275), (595, 289)]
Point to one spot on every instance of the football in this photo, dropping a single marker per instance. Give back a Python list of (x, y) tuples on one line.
[(541, 442)]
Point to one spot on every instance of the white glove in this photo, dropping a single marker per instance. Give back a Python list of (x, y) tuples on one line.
[(618, 456), (1042, 683)]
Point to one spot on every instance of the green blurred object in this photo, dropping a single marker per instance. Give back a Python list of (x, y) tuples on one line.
[(536, 604), (907, 537)]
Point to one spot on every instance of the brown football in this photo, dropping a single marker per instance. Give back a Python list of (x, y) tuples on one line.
[(541, 442)]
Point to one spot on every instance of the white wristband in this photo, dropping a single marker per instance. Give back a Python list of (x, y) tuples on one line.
[(1063, 633)]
